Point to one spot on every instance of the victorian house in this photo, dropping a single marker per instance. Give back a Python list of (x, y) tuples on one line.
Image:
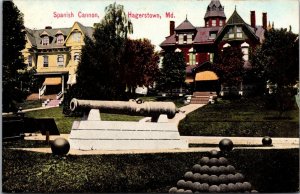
[(200, 44), (55, 53)]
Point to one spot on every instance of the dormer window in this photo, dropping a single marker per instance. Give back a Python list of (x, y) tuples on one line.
[(189, 38), (180, 39), (76, 36), (45, 40), (213, 34), (214, 23), (60, 39), (230, 33), (239, 32)]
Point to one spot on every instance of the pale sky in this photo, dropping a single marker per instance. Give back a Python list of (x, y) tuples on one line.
[(38, 13)]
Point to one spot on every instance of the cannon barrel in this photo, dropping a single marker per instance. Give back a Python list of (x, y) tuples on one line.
[(126, 107)]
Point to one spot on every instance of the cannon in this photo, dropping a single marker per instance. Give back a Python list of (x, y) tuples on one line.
[(92, 133), (134, 108)]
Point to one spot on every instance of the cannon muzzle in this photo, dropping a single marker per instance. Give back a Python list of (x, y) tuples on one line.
[(153, 109)]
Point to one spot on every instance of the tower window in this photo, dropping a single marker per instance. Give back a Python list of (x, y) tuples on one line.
[(76, 56), (180, 40), (189, 39), (221, 23), (214, 23)]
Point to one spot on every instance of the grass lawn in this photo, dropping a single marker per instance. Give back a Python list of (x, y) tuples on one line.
[(27, 104), (64, 124), (267, 170), (244, 117)]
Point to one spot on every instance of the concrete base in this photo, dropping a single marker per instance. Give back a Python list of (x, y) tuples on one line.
[(95, 134)]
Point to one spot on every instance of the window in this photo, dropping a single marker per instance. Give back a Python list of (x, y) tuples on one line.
[(180, 41), (76, 56), (192, 56), (245, 51), (29, 60), (221, 23), (239, 32), (45, 64), (213, 23), (76, 36), (212, 35), (230, 33), (189, 39), (211, 57), (45, 40), (60, 60), (206, 23), (60, 39)]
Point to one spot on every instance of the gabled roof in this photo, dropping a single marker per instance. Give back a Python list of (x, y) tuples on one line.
[(185, 25), (235, 18), (215, 9), (36, 40)]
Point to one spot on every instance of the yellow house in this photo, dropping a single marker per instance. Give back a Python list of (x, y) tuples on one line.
[(55, 53)]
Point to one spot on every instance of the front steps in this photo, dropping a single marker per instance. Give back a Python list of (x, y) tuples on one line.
[(203, 97)]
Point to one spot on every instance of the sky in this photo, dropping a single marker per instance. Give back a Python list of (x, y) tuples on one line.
[(38, 13)]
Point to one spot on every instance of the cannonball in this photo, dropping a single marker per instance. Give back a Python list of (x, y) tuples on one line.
[(196, 186), (214, 170), (196, 168), (173, 190), (267, 141), (188, 191), (214, 153), (197, 177), (180, 191), (189, 185), (204, 160), (204, 169), (196, 192), (204, 178), (247, 186), (231, 187), (188, 176), (214, 189), (223, 161), (223, 169), (254, 191), (213, 162), (231, 178), (226, 145), (239, 177), (239, 186), (213, 179), (223, 188), (223, 179), (181, 184), (230, 169), (60, 146), (205, 187)]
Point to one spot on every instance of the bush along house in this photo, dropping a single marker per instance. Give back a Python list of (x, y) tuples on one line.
[(200, 44), (55, 54)]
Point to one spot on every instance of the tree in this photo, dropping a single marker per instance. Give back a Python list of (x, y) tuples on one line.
[(172, 73), (277, 62), (140, 64), (100, 70), (13, 42), (229, 66)]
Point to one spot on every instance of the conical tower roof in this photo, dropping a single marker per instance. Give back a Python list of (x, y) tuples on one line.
[(215, 9)]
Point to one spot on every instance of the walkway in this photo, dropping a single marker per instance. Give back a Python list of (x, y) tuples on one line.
[(31, 109)]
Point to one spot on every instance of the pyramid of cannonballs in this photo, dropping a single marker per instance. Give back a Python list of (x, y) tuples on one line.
[(213, 174)]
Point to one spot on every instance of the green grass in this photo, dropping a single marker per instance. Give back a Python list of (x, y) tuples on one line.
[(28, 104), (64, 123), (267, 170), (244, 117)]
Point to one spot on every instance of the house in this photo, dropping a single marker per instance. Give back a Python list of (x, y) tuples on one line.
[(200, 44), (55, 53)]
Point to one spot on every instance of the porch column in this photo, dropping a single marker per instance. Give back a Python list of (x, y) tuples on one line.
[(62, 83)]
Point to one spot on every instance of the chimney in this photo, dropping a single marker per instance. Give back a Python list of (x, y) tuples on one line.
[(253, 20), (264, 20), (172, 27), (48, 27)]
